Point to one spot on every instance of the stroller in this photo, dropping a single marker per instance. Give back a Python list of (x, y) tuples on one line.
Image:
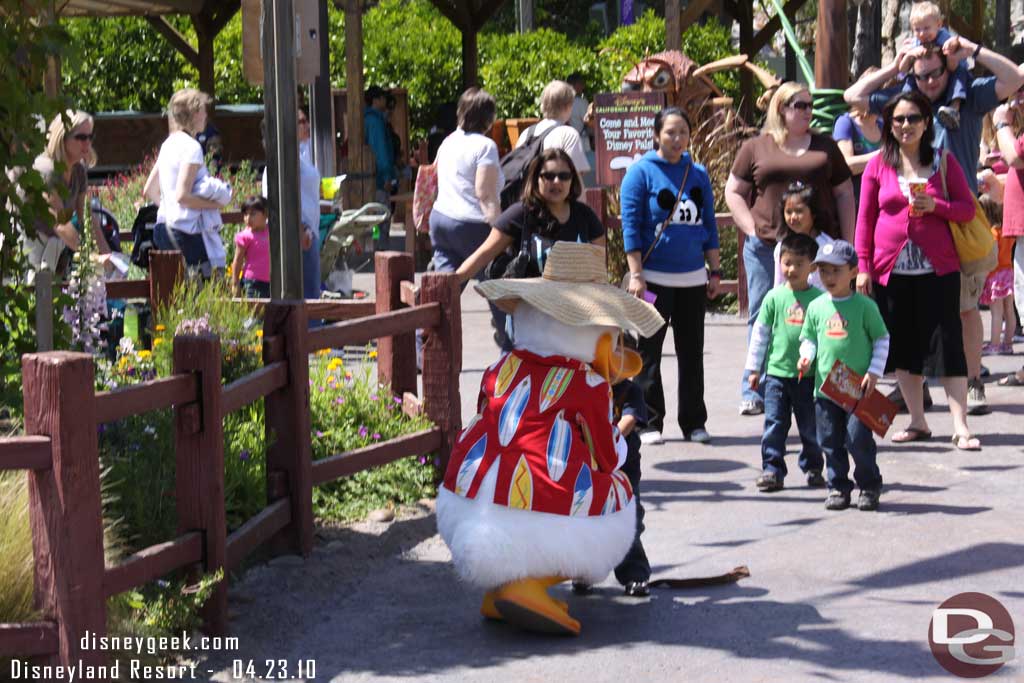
[(353, 227)]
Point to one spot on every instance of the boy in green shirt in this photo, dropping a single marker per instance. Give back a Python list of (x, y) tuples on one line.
[(786, 392), (846, 326)]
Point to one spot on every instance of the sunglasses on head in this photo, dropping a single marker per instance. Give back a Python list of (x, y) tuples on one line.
[(800, 105), (550, 176), (82, 137), (912, 119)]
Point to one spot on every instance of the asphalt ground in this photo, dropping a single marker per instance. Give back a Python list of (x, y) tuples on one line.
[(834, 596)]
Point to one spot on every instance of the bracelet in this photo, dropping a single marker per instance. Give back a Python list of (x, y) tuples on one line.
[(977, 50), (1002, 124), (715, 273)]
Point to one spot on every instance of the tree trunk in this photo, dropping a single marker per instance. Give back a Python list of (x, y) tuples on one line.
[(1003, 27), (890, 29), (866, 44)]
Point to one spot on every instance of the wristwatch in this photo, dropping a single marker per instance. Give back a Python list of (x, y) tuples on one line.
[(977, 50), (715, 273)]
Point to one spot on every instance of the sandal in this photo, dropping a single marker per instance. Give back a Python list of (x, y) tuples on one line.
[(972, 443), (911, 434), (1011, 380)]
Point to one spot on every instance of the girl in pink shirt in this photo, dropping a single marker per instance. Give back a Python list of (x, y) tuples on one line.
[(252, 252)]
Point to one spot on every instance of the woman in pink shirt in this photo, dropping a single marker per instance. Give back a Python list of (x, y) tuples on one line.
[(1007, 120), (908, 258)]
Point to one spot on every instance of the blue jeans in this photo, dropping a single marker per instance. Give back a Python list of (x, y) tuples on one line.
[(311, 270), (784, 396), (759, 262), (841, 435)]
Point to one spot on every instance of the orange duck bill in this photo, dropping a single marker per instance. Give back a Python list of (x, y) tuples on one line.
[(614, 361)]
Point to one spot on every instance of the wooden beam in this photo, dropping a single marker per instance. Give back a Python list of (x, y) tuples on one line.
[(772, 27), (673, 32), (224, 15), (732, 8), (469, 59), (176, 40), (456, 12), (485, 12), (203, 24), (831, 54)]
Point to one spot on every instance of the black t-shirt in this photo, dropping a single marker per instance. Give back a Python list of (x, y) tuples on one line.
[(583, 226)]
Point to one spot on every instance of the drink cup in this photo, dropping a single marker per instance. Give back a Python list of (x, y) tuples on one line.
[(916, 189)]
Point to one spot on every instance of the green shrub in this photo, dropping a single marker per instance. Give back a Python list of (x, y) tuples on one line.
[(17, 569)]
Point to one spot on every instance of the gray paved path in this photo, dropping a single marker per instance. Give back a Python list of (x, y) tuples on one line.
[(833, 596)]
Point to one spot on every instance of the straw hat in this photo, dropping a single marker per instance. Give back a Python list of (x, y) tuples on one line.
[(574, 290)]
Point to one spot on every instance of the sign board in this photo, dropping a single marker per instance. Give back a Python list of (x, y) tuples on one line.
[(623, 131)]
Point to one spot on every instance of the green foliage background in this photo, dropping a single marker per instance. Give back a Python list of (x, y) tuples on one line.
[(125, 64)]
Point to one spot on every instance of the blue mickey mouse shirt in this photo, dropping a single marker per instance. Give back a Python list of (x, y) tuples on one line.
[(678, 258)]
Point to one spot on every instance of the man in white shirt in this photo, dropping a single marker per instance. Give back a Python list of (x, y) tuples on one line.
[(577, 119), (556, 103)]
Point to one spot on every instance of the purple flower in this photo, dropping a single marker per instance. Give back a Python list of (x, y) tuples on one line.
[(339, 400), (363, 431), (376, 436), (423, 460), (437, 461), (244, 455), (319, 434), (374, 397), (398, 400)]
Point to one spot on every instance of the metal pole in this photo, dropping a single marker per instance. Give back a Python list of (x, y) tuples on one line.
[(44, 310), (320, 109), (280, 116)]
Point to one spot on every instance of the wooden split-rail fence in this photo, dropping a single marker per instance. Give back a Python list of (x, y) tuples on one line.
[(60, 450)]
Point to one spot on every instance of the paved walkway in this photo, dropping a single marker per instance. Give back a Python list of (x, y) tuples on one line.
[(841, 596)]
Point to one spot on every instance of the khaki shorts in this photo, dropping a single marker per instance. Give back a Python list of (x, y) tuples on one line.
[(970, 291)]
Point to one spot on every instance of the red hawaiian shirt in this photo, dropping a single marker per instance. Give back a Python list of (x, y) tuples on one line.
[(546, 423)]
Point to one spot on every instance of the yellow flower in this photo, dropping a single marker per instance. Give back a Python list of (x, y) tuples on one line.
[(334, 364), (323, 352), (259, 333), (144, 354), (160, 328), (157, 342), (373, 354)]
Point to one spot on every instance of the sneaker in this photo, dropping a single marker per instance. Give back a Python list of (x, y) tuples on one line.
[(949, 118), (868, 499), (985, 372), (751, 408), (699, 435), (768, 482), (637, 589), (815, 480), (651, 437), (1006, 349), (837, 500), (990, 350), (582, 588), (977, 404)]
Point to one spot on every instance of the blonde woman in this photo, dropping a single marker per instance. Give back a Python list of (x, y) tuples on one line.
[(178, 171), (68, 144), (785, 152)]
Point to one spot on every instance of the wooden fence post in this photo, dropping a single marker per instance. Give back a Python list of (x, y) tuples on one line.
[(199, 476), (396, 356), (442, 361), (288, 422), (166, 269), (64, 501)]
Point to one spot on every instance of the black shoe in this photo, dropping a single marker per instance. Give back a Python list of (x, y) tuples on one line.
[(868, 499), (837, 500), (815, 480), (582, 588), (637, 589), (768, 482)]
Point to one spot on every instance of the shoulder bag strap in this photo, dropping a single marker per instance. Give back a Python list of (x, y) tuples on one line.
[(664, 224)]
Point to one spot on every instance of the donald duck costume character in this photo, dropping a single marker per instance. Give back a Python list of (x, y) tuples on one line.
[(533, 494)]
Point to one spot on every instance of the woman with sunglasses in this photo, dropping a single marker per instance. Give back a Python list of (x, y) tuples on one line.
[(549, 212), (787, 151), (671, 241), (908, 259), (68, 142)]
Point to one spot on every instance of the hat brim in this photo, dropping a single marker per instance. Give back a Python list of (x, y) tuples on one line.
[(574, 303)]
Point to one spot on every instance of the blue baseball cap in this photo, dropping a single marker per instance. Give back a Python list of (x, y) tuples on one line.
[(838, 253)]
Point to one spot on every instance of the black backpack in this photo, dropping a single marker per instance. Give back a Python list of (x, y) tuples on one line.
[(142, 235), (516, 162)]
